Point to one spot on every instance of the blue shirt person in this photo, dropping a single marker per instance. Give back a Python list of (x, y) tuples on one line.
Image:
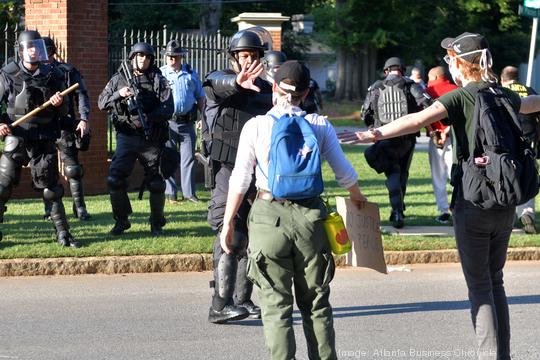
[(188, 95)]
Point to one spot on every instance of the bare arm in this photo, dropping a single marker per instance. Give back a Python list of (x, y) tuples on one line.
[(408, 124)]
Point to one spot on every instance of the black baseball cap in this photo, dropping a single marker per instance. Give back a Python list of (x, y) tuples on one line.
[(466, 43), (296, 73)]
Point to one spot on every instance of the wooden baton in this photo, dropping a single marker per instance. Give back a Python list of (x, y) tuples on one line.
[(41, 107)]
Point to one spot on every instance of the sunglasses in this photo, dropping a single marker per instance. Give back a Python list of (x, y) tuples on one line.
[(141, 55)]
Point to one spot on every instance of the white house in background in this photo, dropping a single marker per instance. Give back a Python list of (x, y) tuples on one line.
[(320, 59)]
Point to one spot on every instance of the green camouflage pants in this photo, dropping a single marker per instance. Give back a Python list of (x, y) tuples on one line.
[(287, 245)]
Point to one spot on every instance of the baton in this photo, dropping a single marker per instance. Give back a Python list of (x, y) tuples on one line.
[(41, 107)]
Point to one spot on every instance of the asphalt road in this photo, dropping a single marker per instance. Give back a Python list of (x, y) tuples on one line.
[(417, 314)]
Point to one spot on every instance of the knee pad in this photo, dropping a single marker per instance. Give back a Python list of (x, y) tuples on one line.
[(116, 183), (226, 275), (5, 192), (55, 193), (156, 185), (73, 171)]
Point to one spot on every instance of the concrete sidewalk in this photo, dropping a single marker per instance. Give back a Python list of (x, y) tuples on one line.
[(203, 262)]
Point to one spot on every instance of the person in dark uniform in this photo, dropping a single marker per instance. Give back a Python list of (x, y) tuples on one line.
[(313, 103), (188, 96), (386, 101), (74, 135), (24, 86), (132, 143), (233, 96), (271, 62), (529, 122)]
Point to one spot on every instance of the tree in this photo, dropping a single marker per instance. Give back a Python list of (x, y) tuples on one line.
[(413, 29)]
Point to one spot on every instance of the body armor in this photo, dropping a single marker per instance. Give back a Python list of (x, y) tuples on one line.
[(224, 121), (391, 102), (31, 92)]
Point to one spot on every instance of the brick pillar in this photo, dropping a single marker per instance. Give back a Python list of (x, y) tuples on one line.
[(80, 29), (270, 21)]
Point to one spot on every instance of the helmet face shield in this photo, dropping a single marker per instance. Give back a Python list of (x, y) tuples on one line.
[(33, 51)]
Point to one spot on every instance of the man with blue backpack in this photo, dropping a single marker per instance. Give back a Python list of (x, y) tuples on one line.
[(288, 245)]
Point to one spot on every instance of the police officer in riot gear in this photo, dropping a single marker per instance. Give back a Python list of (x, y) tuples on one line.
[(73, 132), (132, 142), (272, 61), (24, 86), (233, 96), (387, 100)]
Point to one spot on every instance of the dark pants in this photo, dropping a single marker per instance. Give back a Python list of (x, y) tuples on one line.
[(482, 238), (182, 137), (216, 210), (397, 174), (129, 148)]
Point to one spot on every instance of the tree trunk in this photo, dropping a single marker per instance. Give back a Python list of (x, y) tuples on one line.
[(341, 71), (210, 16)]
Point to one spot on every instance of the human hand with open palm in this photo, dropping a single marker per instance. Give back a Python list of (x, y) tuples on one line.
[(246, 77)]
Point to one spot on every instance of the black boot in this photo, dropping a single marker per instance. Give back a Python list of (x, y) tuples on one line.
[(47, 205), (228, 313), (121, 208), (58, 217), (397, 219), (157, 216), (79, 206), (120, 226), (253, 310)]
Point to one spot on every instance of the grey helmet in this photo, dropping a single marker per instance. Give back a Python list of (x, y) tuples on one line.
[(174, 48), (394, 62), (143, 48), (31, 47), (50, 45), (271, 62)]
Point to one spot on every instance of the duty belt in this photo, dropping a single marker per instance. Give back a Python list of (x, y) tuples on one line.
[(181, 117)]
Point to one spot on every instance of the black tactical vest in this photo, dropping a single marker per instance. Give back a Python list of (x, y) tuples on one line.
[(231, 115), (148, 98), (29, 92), (391, 100)]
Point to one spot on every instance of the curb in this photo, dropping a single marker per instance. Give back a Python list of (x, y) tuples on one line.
[(202, 262)]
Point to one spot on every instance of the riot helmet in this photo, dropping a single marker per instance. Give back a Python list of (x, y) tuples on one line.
[(394, 63), (142, 48), (244, 40), (271, 62), (31, 47), (50, 45), (265, 36), (174, 48)]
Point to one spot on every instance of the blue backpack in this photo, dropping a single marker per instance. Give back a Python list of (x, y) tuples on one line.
[(294, 171)]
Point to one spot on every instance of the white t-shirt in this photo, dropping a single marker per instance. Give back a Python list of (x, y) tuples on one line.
[(254, 147)]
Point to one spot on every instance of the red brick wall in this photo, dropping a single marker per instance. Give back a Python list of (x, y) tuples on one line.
[(276, 40), (80, 29)]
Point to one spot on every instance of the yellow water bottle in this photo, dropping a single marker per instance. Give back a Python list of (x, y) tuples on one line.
[(337, 234)]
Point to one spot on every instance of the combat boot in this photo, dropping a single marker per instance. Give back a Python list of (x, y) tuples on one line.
[(396, 217), (156, 226), (64, 238), (81, 213), (253, 310), (120, 226), (228, 313)]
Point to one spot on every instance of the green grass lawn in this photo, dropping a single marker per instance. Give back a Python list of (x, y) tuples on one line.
[(26, 235)]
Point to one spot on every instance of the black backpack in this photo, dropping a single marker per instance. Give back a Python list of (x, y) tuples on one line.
[(501, 170)]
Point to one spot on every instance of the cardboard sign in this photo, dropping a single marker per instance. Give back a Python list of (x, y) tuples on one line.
[(364, 229)]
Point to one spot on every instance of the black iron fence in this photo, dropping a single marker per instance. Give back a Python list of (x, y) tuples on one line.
[(205, 52), (7, 43)]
